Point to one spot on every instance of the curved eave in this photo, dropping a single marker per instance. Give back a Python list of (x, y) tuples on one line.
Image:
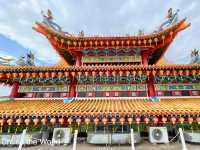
[(43, 29)]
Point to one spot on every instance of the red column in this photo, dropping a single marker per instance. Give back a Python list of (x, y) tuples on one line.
[(144, 56), (14, 90), (150, 86), (72, 89)]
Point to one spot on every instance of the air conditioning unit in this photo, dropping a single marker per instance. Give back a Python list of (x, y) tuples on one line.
[(158, 135), (61, 136)]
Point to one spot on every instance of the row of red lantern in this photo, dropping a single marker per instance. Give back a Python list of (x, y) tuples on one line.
[(122, 120), (111, 42), (101, 73)]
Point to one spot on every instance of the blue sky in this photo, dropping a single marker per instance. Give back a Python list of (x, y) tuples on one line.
[(95, 17)]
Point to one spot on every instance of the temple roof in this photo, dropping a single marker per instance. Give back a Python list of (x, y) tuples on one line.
[(104, 107), (69, 46)]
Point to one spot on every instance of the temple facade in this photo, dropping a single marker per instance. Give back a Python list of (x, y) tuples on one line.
[(108, 80)]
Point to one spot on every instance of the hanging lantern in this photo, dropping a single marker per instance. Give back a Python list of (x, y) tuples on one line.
[(113, 120), (194, 72), (174, 72), (36, 121), (146, 120), (66, 74), (187, 72), (15, 74), (10, 121), (138, 120), (86, 73), (53, 74), (8, 75), (93, 73), (130, 121), (161, 72), (122, 120), (190, 120), (180, 72), (127, 73), (100, 73), (134, 73), (73, 74), (19, 121), (140, 72), (107, 73), (70, 120), (21, 74), (198, 120), (181, 120), (104, 120), (47, 74), (27, 121), (78, 121), (87, 121), (154, 72), (34, 74), (167, 72), (155, 120), (2, 121), (60, 74), (53, 121), (147, 73), (114, 73), (44, 121), (173, 120), (41, 74), (96, 121), (61, 121), (120, 73), (164, 119)]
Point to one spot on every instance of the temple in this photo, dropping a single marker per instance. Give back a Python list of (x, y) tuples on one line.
[(107, 80)]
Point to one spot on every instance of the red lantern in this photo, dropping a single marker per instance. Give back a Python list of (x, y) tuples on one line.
[(27, 121), (60, 74), (100, 73), (2, 121), (104, 120), (15, 75), (164, 120), (122, 120), (113, 120), (146, 120), (120, 73), (87, 121), (10, 121), (66, 74), (130, 121), (61, 121), (161, 72), (73, 74), (69, 120), (44, 121), (127, 73), (181, 120), (19, 121), (36, 121), (78, 121), (41, 74), (96, 121), (93, 73), (114, 73), (190, 120), (198, 120), (173, 120), (86, 73), (53, 120), (140, 72), (155, 120), (107, 73), (138, 120)]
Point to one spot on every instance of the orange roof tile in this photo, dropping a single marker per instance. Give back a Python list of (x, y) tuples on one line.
[(95, 107)]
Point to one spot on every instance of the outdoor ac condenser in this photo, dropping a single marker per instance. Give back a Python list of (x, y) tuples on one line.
[(158, 135), (61, 136)]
